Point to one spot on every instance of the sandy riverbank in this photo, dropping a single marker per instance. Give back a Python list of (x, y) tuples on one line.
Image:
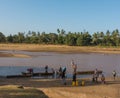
[(3, 54), (53, 48), (54, 89), (59, 48)]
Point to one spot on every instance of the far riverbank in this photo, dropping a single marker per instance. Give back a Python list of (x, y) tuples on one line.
[(60, 48)]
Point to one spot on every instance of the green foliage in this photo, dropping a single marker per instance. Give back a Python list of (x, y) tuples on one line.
[(10, 38), (62, 37), (71, 39), (2, 37)]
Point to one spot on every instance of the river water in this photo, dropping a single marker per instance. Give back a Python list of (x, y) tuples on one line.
[(85, 61)]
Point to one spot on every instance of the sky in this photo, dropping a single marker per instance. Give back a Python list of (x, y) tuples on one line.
[(49, 15)]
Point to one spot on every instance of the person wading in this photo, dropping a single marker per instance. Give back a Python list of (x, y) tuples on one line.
[(74, 66), (64, 75), (114, 74)]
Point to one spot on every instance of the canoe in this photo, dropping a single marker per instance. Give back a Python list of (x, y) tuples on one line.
[(37, 74), (88, 72), (24, 74), (17, 76)]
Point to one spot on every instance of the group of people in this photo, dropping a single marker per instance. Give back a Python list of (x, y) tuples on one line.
[(62, 73), (96, 75)]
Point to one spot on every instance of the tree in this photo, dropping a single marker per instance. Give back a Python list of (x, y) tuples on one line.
[(96, 39), (10, 38), (107, 39), (34, 38), (58, 30), (115, 37), (15, 38), (45, 38), (61, 36), (53, 38), (80, 41), (21, 37), (71, 39), (2, 37), (87, 39), (101, 38), (84, 39)]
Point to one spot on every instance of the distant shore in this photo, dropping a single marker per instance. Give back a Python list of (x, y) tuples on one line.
[(59, 48), (56, 48)]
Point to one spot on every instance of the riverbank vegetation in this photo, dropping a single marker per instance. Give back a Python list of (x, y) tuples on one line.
[(61, 37)]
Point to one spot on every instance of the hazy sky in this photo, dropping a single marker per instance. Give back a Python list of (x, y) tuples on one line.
[(48, 15)]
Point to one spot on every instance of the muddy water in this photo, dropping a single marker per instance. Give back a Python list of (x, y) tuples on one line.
[(38, 60)]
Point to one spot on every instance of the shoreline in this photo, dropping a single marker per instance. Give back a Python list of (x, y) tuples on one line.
[(54, 89), (57, 48)]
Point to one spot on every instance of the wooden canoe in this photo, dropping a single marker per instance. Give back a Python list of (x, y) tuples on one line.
[(24, 74), (37, 74), (88, 72)]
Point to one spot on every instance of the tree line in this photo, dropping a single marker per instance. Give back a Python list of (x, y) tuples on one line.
[(62, 37)]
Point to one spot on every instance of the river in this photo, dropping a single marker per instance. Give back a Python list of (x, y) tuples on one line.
[(85, 61)]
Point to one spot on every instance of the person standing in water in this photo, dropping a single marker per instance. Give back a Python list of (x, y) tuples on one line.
[(46, 69), (64, 75), (74, 66), (60, 72), (103, 78), (96, 75), (114, 74)]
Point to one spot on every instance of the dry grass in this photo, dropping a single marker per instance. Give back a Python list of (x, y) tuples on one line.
[(58, 48)]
